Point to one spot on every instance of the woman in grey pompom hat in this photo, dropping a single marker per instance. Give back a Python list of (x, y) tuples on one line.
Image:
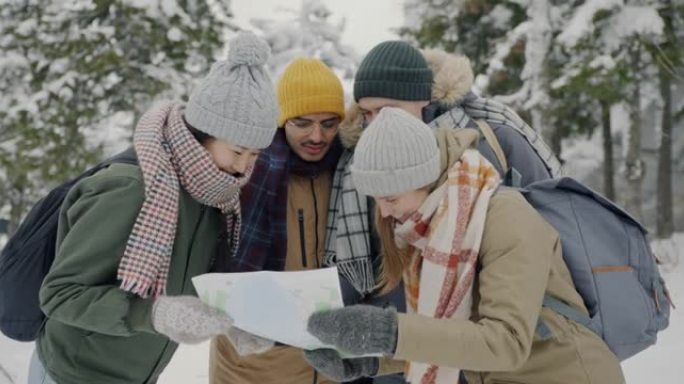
[(119, 295), (236, 102), (476, 262)]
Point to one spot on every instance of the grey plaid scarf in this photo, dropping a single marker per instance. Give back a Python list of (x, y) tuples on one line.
[(347, 239), (348, 233), (480, 108)]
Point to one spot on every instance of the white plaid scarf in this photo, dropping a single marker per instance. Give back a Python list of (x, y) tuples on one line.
[(169, 157), (447, 231)]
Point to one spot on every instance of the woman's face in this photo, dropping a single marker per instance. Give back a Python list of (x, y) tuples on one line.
[(231, 158), (401, 206)]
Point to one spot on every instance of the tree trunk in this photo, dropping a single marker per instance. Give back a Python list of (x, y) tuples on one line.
[(664, 214), (664, 223), (540, 121), (634, 167), (17, 208), (536, 70), (608, 165)]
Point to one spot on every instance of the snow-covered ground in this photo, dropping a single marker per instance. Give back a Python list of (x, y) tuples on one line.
[(661, 363)]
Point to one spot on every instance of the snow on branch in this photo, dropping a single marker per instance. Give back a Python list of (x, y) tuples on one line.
[(582, 22)]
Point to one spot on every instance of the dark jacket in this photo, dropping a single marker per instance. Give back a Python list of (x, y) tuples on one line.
[(96, 332)]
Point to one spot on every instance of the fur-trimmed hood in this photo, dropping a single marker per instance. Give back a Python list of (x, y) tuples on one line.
[(452, 79)]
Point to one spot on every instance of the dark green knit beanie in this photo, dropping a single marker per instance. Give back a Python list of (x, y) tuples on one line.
[(395, 70)]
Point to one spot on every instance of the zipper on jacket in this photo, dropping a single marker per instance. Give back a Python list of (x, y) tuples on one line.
[(315, 200), (301, 236), (302, 248)]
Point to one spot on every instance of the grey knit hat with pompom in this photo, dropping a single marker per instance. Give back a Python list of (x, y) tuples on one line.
[(236, 101)]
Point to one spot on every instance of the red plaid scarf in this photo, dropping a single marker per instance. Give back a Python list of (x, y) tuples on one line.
[(169, 157), (447, 232)]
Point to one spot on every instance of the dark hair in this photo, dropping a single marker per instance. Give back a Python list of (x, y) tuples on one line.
[(200, 136)]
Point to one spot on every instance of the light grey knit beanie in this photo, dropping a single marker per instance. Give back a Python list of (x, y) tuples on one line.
[(236, 101), (397, 153)]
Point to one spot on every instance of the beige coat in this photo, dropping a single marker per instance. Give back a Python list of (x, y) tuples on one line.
[(520, 261)]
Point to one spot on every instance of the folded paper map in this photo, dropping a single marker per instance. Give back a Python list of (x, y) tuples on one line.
[(274, 305)]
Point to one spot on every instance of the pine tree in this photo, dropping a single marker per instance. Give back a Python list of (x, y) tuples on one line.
[(609, 61), (73, 71), (485, 31), (310, 33), (509, 44), (588, 79), (566, 65), (669, 57)]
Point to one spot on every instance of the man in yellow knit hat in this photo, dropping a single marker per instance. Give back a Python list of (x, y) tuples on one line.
[(284, 213)]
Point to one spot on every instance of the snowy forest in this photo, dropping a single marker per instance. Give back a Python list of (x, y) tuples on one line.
[(602, 80), (76, 75)]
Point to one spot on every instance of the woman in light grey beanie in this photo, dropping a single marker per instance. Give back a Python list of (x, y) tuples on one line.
[(476, 262), (397, 153)]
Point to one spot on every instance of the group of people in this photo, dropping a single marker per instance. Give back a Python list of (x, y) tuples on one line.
[(443, 269)]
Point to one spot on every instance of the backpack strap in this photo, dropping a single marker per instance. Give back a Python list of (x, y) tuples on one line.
[(128, 156), (511, 175), (569, 312), (489, 135)]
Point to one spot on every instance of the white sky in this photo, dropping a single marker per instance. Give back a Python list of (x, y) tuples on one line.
[(369, 22)]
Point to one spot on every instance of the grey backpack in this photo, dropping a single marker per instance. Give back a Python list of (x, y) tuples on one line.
[(611, 262)]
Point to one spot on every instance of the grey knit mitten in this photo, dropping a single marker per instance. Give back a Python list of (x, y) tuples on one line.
[(357, 329), (186, 319), (329, 363), (246, 343)]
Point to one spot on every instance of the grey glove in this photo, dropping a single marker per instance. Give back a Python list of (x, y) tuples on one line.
[(329, 363), (186, 319), (357, 330), (246, 343)]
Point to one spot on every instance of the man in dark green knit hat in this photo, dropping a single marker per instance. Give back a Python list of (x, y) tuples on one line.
[(435, 87), (394, 70)]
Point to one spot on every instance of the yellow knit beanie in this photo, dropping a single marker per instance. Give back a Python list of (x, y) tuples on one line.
[(308, 86)]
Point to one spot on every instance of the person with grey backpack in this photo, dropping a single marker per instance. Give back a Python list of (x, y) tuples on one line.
[(477, 262), (434, 86)]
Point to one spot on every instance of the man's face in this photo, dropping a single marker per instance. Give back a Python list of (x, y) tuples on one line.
[(371, 106), (310, 136)]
